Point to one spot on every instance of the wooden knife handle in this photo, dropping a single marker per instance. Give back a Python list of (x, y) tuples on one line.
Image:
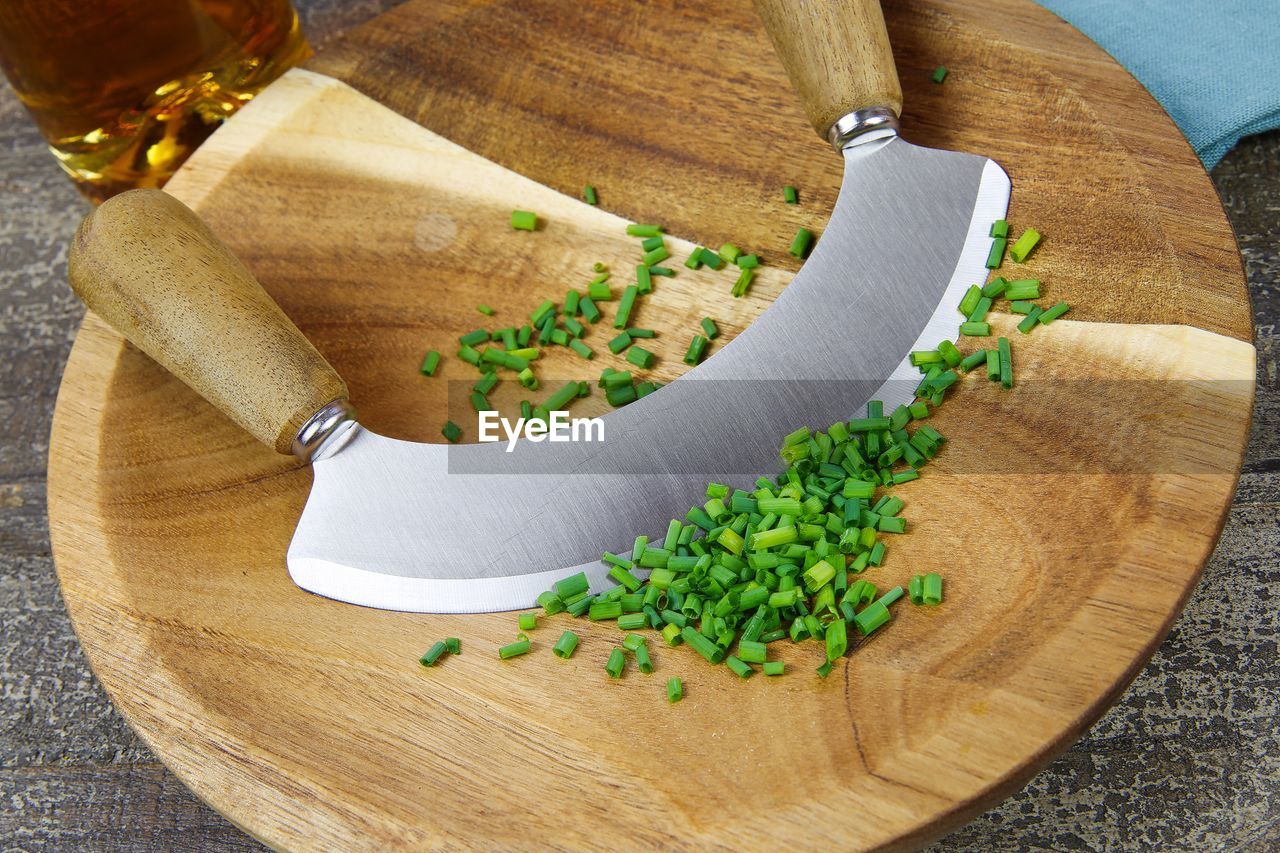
[(148, 266), (837, 55)]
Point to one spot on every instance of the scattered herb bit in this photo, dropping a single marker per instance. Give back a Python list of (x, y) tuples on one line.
[(747, 262), (1023, 288), (565, 646), (931, 593), (620, 343), (996, 256), (1026, 244), (485, 310), (1000, 228), (589, 194), (975, 329), (790, 195), (520, 647), (696, 348), (709, 328), (433, 654), (451, 431), (939, 74), (617, 661), (1054, 313), (801, 242), (640, 357), (675, 690), (638, 230), (528, 621), (430, 363), (1029, 322), (524, 220)]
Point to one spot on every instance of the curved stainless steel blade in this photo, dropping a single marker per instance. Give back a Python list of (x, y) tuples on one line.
[(472, 528)]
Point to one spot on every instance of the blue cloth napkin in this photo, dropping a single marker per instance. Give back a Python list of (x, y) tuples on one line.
[(1213, 64)]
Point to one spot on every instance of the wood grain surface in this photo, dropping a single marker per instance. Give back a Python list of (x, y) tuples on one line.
[(309, 723)]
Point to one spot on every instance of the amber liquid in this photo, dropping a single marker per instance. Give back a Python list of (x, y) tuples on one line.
[(125, 90)]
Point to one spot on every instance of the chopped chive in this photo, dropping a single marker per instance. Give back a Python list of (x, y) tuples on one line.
[(1027, 242), (644, 279), (975, 329), (602, 610), (999, 228), (980, 311), (643, 662), (641, 333), (801, 242), (696, 348), (993, 365), (625, 305), (752, 651), (939, 74), (970, 300), (1029, 322), (996, 255), (774, 667), (743, 282), (710, 258), (451, 431), (550, 603), (656, 256), (730, 253), (837, 640), (994, 288), (600, 291), (545, 309), (663, 271), (454, 645), (931, 593), (524, 220), (589, 194), (915, 589), (1006, 363), (1021, 306), (974, 359), (485, 384), (616, 663), (620, 343), (740, 668), (433, 654), (747, 262), (710, 329), (648, 244), (638, 230), (528, 621), (479, 336), (581, 349), (618, 397), (1054, 313), (1023, 288), (694, 261), (675, 690), (520, 647), (572, 585), (824, 670), (589, 310), (566, 645), (430, 363), (632, 621), (949, 353), (485, 309), (789, 195), (640, 357)]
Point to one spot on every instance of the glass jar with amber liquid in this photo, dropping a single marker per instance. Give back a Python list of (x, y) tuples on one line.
[(125, 90)]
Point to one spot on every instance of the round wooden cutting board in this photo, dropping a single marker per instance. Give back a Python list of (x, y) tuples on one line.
[(370, 194)]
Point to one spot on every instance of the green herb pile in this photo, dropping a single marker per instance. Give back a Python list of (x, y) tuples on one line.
[(784, 560)]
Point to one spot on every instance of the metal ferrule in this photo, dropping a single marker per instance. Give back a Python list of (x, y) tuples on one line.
[(331, 420), (859, 122)]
